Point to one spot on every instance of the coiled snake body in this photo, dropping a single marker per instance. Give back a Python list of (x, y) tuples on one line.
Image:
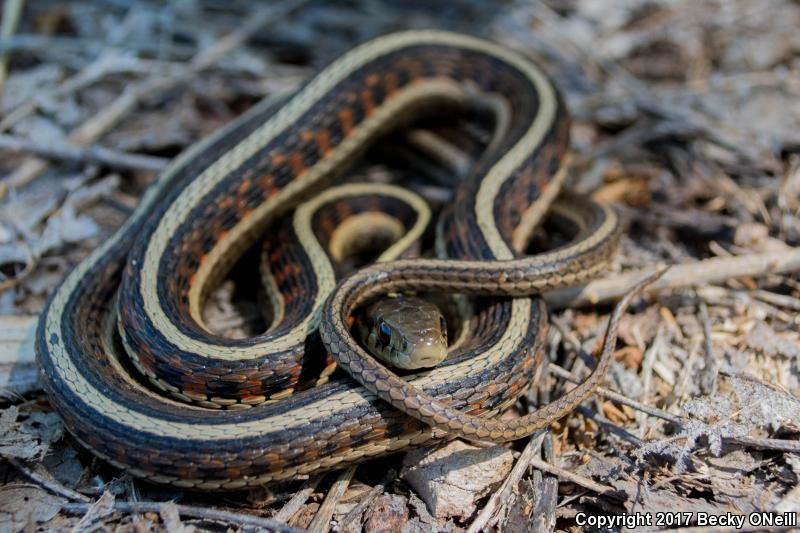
[(151, 278)]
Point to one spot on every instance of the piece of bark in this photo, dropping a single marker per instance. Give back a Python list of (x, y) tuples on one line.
[(390, 513), (453, 478)]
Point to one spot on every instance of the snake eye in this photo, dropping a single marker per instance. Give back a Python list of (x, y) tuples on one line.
[(384, 333)]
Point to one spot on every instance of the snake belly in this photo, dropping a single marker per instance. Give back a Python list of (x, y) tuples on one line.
[(150, 279)]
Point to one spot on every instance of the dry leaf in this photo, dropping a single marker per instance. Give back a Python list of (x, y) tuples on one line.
[(23, 507)]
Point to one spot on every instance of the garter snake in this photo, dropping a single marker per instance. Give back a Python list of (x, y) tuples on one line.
[(149, 282)]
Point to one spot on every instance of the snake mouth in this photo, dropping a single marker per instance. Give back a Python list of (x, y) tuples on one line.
[(423, 354)]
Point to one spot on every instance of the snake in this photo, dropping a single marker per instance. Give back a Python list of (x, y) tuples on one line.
[(133, 370)]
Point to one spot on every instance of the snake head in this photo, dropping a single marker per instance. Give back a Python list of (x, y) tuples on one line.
[(405, 332)]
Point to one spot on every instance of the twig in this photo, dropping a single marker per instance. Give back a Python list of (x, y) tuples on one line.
[(708, 376), (617, 397), (204, 513), (765, 444), (566, 475), (50, 485), (716, 270), (92, 129), (650, 356), (109, 62), (609, 426), (760, 303), (486, 515), (365, 502), (74, 46), (686, 373), (780, 300), (298, 500), (322, 520), (258, 21), (12, 9), (637, 136), (90, 154)]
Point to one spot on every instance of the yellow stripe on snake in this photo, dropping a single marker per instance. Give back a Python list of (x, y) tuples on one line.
[(137, 377)]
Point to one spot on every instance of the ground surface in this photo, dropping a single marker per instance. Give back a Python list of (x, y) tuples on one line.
[(686, 117)]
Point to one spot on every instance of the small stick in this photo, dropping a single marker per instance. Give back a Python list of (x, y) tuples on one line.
[(298, 500), (204, 513), (650, 356), (566, 475), (609, 426), (708, 376), (704, 318), (12, 10), (708, 271), (89, 154), (82, 46), (49, 484), (322, 520), (765, 444), (617, 397), (780, 300), (106, 64), (371, 496)]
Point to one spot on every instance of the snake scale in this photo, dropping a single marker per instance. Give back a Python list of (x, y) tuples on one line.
[(139, 380)]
